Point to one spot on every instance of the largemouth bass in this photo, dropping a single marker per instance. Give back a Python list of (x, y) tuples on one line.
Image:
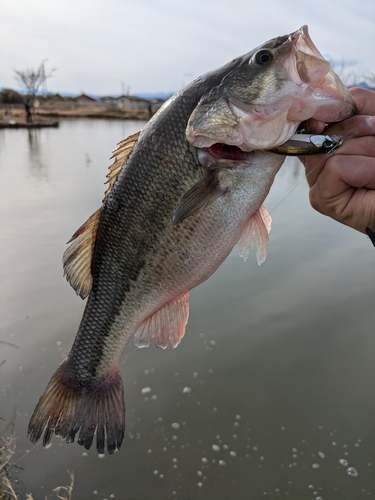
[(182, 193)]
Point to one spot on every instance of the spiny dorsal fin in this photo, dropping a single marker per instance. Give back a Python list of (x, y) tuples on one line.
[(120, 154), (256, 230), (77, 258), (166, 325)]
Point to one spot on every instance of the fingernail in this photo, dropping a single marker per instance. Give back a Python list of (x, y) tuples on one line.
[(370, 120)]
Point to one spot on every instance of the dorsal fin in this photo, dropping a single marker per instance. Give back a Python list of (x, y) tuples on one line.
[(256, 230), (120, 155), (166, 325), (77, 258)]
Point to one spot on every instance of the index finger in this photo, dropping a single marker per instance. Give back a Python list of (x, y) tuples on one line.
[(364, 99)]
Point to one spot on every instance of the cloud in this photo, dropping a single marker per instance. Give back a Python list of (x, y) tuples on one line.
[(154, 45)]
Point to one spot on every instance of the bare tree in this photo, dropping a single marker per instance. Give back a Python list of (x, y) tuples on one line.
[(34, 79)]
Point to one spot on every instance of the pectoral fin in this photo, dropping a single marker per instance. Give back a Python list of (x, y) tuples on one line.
[(202, 194), (256, 230), (166, 325)]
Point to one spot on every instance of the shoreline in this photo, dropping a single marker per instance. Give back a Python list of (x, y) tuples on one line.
[(50, 117)]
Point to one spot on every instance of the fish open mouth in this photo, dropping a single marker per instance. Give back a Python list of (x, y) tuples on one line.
[(228, 152), (221, 155)]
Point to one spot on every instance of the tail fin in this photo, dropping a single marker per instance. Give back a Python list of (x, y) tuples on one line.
[(67, 407)]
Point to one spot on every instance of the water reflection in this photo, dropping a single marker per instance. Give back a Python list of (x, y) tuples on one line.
[(270, 393), (38, 167)]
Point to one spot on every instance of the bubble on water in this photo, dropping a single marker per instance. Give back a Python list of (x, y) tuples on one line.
[(204, 460), (200, 485), (85, 454), (334, 443), (156, 472), (222, 463), (146, 372), (186, 390), (238, 417), (255, 448), (149, 451), (210, 371), (214, 410), (161, 476), (319, 498), (146, 390), (58, 342), (175, 425), (283, 428), (311, 486), (154, 397), (101, 455), (200, 473), (343, 462), (236, 424), (112, 495), (232, 453), (215, 447), (321, 454), (174, 438), (315, 466), (195, 374), (95, 492), (351, 471), (174, 460)]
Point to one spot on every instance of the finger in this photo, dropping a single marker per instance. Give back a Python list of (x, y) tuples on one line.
[(364, 99), (315, 126), (358, 125), (357, 149), (345, 191)]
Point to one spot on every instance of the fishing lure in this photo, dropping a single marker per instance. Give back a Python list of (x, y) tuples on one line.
[(309, 144)]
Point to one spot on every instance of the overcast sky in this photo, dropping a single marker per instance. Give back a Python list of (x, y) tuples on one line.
[(161, 45)]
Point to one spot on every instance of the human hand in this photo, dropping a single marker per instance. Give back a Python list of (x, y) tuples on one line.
[(342, 186)]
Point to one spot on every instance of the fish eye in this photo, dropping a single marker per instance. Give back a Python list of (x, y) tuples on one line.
[(262, 57), (328, 144)]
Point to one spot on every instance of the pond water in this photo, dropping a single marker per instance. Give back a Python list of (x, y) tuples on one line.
[(271, 393)]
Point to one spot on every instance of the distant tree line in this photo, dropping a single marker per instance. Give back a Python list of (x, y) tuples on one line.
[(10, 96)]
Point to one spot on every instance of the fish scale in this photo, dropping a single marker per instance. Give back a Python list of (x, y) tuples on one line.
[(173, 211)]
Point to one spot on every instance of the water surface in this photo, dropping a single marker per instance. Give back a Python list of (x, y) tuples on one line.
[(271, 393)]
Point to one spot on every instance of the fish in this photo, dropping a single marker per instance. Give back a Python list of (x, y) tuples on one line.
[(181, 194)]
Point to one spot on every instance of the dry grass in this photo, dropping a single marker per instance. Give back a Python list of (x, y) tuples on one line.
[(8, 490), (7, 449)]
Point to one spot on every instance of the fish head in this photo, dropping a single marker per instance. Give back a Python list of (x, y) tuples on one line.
[(264, 95)]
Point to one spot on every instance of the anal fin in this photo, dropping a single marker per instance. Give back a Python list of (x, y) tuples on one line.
[(166, 325), (256, 230)]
